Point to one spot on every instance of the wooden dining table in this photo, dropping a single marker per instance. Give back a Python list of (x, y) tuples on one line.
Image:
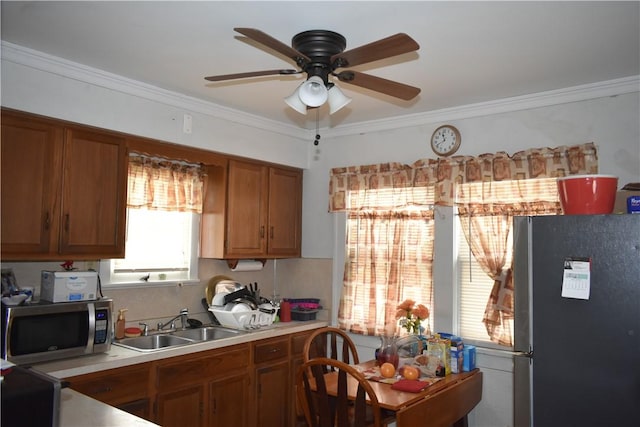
[(442, 404)]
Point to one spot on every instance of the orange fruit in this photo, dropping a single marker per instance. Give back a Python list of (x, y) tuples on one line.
[(387, 370), (410, 373)]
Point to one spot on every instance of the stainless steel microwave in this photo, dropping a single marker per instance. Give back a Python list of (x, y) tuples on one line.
[(49, 331)]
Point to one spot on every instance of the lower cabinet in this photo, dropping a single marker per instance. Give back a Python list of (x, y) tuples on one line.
[(227, 401), (181, 407), (191, 388), (244, 385), (125, 388), (271, 361), (297, 347)]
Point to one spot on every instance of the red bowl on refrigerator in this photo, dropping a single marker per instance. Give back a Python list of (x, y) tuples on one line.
[(588, 194)]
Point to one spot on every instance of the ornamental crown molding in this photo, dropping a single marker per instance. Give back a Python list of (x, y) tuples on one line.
[(51, 64)]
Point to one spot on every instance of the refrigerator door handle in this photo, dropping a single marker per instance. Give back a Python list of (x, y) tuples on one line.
[(528, 354)]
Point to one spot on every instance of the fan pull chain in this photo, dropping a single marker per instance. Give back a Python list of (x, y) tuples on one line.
[(317, 140)]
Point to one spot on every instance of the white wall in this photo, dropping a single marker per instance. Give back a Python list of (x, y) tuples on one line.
[(60, 89), (607, 115), (611, 122)]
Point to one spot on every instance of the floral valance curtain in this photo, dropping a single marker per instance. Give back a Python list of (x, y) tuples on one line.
[(443, 175), (159, 184)]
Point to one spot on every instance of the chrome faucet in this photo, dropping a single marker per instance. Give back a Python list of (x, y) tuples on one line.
[(184, 314), (145, 329)]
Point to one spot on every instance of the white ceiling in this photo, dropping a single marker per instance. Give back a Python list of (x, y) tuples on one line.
[(470, 52)]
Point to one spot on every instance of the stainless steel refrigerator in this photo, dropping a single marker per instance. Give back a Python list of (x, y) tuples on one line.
[(577, 320)]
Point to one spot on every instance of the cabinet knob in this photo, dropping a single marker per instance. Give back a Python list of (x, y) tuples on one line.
[(271, 232), (47, 222), (66, 222), (103, 389), (262, 231)]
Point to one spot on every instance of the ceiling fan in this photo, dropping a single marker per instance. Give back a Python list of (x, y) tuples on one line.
[(319, 53)]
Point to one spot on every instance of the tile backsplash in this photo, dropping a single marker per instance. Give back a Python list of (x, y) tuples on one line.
[(289, 278)]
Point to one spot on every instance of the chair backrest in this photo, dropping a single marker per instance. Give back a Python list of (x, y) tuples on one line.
[(325, 342), (354, 404)]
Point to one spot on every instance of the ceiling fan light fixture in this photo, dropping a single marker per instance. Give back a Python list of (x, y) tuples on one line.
[(337, 99), (295, 102), (313, 92)]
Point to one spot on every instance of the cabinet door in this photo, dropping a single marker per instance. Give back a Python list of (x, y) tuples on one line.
[(285, 212), (183, 407), (94, 194), (297, 347), (228, 400), (139, 408), (246, 209), (31, 167), (272, 394)]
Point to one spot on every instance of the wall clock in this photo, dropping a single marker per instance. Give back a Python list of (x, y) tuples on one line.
[(445, 140)]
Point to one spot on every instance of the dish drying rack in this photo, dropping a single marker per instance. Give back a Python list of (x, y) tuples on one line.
[(252, 319)]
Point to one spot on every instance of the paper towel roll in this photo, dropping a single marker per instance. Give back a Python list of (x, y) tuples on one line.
[(248, 265)]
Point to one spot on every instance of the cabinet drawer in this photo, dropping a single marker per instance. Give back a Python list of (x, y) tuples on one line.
[(229, 360), (266, 351), (114, 386), (297, 343), (192, 369), (177, 373)]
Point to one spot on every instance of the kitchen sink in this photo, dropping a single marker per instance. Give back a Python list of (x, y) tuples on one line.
[(207, 334), (164, 340), (153, 342)]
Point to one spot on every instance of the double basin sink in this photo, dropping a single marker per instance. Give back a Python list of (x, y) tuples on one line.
[(160, 341)]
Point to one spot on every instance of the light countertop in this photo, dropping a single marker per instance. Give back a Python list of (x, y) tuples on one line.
[(78, 410), (118, 357)]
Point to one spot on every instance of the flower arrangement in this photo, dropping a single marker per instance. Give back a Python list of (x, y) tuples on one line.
[(411, 315)]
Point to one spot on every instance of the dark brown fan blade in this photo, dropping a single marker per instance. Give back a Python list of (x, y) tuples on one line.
[(388, 87), (384, 48), (278, 46), (249, 74)]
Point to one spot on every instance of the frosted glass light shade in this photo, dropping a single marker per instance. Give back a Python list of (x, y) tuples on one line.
[(295, 102), (337, 99), (313, 92)]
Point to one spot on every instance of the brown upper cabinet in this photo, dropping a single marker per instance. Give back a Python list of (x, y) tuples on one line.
[(63, 190), (258, 216)]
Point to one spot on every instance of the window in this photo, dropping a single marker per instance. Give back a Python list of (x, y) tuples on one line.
[(474, 290), (163, 245), (390, 229), (389, 258), (163, 223), (504, 199)]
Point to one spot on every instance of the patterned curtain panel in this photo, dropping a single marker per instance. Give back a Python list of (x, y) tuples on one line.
[(389, 247), (389, 258), (499, 187), (158, 184)]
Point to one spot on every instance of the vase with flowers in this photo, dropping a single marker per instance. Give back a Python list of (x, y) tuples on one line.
[(411, 315)]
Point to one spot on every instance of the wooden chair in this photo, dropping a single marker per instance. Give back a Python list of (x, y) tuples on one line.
[(322, 410), (324, 342)]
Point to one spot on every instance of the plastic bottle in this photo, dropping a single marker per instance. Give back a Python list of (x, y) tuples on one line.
[(285, 311), (120, 323)]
